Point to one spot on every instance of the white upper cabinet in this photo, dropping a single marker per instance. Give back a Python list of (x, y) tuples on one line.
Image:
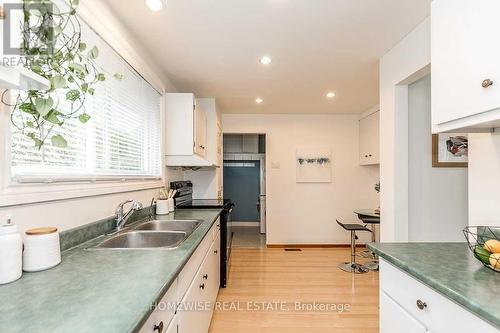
[(465, 65), (193, 131), (185, 126), (200, 137), (369, 139), (213, 134)]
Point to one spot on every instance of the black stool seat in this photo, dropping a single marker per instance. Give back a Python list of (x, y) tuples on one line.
[(353, 266), (370, 220), (353, 227)]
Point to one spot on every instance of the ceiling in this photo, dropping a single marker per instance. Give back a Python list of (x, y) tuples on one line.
[(212, 48)]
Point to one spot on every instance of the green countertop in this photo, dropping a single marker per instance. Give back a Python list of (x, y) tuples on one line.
[(367, 212), (450, 269), (98, 291)]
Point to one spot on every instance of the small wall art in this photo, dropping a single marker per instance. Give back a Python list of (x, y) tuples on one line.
[(450, 150), (314, 165)]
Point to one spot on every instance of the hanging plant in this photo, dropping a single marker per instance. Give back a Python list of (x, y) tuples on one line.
[(53, 48)]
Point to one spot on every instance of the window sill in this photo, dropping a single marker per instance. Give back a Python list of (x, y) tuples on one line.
[(37, 193)]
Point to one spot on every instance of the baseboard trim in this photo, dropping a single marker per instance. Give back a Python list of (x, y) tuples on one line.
[(311, 246)]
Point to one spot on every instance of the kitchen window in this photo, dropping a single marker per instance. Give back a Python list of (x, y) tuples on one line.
[(121, 141)]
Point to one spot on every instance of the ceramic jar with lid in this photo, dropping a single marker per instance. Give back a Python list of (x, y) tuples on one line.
[(41, 249), (11, 249)]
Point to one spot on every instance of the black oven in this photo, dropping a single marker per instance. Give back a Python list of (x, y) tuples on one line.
[(184, 200)]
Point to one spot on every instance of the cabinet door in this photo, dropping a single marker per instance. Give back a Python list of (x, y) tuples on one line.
[(219, 146), (395, 319), (200, 126), (190, 315), (179, 124), (464, 54), (214, 269), (172, 327), (211, 279), (195, 310), (164, 312), (369, 139)]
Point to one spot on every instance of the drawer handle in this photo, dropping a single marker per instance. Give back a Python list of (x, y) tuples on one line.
[(487, 83), (215, 251), (421, 305), (202, 286), (158, 328), (205, 277)]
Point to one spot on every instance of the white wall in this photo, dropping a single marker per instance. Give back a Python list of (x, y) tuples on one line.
[(484, 178), (306, 213), (69, 213), (405, 63), (204, 183), (438, 207)]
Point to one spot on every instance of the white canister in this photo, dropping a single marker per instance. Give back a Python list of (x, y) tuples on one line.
[(41, 249), (162, 207), (11, 253), (171, 205)]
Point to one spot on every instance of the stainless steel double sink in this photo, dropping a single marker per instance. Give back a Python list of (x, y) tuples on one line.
[(154, 234)]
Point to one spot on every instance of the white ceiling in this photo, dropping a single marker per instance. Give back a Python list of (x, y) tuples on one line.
[(212, 48)]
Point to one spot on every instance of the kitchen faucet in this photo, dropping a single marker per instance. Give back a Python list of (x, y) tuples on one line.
[(121, 217)]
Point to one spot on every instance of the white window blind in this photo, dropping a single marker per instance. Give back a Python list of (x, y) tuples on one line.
[(120, 141)]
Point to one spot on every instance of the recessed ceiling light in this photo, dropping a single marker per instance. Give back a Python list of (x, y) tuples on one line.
[(154, 5), (259, 100), (265, 60), (330, 95)]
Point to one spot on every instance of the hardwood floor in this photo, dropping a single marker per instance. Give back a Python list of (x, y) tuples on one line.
[(259, 277)]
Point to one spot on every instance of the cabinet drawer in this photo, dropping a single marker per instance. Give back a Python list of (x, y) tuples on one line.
[(213, 269), (164, 311), (191, 267), (195, 309), (172, 327), (440, 314), (216, 230), (395, 319), (210, 278)]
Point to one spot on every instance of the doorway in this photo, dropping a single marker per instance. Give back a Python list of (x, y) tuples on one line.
[(242, 180), (244, 184)]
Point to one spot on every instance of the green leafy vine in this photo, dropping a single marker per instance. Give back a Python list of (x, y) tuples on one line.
[(53, 48)]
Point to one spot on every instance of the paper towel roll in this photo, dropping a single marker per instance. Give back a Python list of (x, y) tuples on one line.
[(11, 252)]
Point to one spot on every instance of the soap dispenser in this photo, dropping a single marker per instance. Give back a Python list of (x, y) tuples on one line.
[(11, 252)]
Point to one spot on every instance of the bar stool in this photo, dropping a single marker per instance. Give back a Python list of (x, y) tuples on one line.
[(353, 267), (372, 221)]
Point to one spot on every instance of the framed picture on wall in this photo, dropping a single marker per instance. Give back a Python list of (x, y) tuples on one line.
[(450, 150), (314, 165)]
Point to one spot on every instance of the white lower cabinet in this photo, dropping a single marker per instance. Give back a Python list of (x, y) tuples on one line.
[(196, 308), (214, 272), (172, 327), (407, 305), (188, 305), (395, 319), (191, 309), (164, 312)]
